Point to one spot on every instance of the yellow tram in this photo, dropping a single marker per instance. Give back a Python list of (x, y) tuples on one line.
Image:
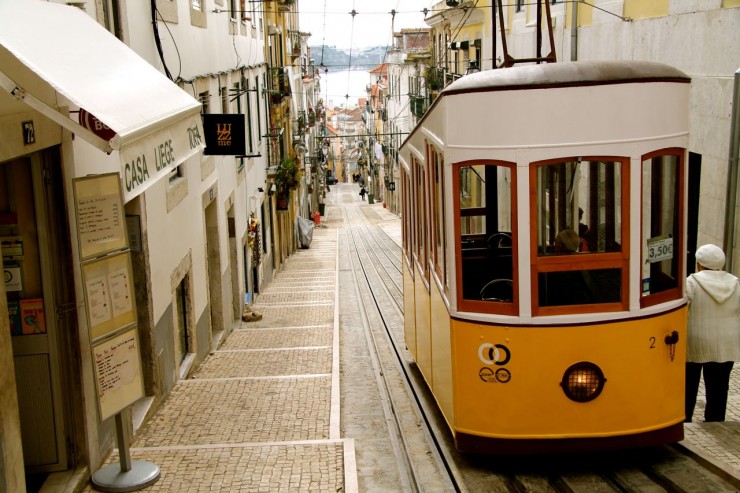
[(544, 255)]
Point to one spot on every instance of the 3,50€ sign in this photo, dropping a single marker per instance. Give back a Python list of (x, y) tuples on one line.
[(660, 248)]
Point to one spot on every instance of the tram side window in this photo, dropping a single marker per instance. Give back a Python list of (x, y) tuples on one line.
[(661, 225), (439, 218), (485, 232), (578, 223)]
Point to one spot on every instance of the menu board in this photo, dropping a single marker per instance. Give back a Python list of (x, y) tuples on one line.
[(118, 378), (101, 222), (108, 285), (109, 292)]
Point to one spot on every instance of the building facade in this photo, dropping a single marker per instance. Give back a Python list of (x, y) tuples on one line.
[(146, 93)]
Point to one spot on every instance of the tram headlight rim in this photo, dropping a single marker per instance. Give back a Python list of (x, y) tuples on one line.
[(583, 389)]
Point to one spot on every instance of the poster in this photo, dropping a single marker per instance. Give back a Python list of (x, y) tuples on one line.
[(98, 305), (32, 317), (109, 294), (117, 366), (14, 313), (101, 222), (12, 276)]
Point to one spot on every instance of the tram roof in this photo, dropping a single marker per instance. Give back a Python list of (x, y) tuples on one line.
[(566, 74)]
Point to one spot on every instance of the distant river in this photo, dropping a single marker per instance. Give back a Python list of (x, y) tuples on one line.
[(335, 85)]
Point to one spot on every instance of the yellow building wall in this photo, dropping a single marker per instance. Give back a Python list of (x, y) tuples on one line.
[(730, 3), (470, 32), (645, 9), (585, 15)]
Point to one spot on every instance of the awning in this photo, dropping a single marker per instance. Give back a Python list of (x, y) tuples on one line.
[(48, 48)]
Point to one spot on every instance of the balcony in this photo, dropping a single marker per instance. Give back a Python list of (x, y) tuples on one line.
[(279, 86), (419, 104), (285, 5)]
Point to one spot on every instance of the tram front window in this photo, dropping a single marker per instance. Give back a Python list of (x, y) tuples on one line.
[(485, 232), (579, 211)]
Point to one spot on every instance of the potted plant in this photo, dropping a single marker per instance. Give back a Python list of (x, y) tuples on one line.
[(432, 79), (287, 175)]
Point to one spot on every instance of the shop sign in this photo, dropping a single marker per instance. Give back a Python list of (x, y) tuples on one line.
[(90, 122), (147, 160), (225, 134)]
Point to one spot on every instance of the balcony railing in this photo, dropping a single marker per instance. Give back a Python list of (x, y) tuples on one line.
[(419, 104), (279, 87)]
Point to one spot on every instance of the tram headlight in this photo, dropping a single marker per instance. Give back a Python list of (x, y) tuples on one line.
[(583, 382)]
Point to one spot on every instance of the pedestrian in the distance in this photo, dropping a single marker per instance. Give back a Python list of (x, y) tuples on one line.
[(713, 332), (362, 192)]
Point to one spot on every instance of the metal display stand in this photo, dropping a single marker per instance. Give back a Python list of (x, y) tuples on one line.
[(111, 316), (128, 475)]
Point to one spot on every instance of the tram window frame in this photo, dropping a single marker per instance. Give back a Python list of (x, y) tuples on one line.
[(463, 188), (407, 222), (436, 184), (596, 262), (653, 192), (421, 250)]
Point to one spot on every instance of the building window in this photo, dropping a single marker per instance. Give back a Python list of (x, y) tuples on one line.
[(224, 93), (519, 5), (203, 98), (257, 107), (175, 174), (238, 99), (112, 17), (197, 5), (182, 321)]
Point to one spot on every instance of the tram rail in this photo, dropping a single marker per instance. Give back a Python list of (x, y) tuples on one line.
[(421, 457)]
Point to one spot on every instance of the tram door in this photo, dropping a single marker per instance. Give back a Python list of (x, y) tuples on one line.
[(31, 252)]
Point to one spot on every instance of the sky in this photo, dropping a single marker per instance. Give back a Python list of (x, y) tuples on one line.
[(330, 22)]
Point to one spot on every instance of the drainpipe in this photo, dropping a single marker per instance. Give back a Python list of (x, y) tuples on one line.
[(732, 175), (574, 33)]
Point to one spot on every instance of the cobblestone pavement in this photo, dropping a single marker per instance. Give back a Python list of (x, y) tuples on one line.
[(717, 442), (259, 414)]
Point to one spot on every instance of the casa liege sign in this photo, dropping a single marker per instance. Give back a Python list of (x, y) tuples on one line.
[(151, 158)]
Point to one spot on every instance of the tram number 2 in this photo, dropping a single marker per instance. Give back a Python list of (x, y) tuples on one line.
[(652, 342)]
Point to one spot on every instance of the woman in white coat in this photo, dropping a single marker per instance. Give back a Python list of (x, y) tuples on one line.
[(713, 332)]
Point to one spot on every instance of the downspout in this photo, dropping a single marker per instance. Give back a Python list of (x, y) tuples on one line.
[(732, 175), (574, 33)]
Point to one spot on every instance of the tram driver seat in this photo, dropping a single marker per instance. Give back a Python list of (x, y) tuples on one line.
[(501, 290)]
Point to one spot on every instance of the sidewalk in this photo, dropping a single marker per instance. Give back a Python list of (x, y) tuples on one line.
[(261, 414), (717, 443)]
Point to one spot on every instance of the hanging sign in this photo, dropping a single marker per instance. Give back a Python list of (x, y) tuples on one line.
[(225, 134), (90, 122)]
